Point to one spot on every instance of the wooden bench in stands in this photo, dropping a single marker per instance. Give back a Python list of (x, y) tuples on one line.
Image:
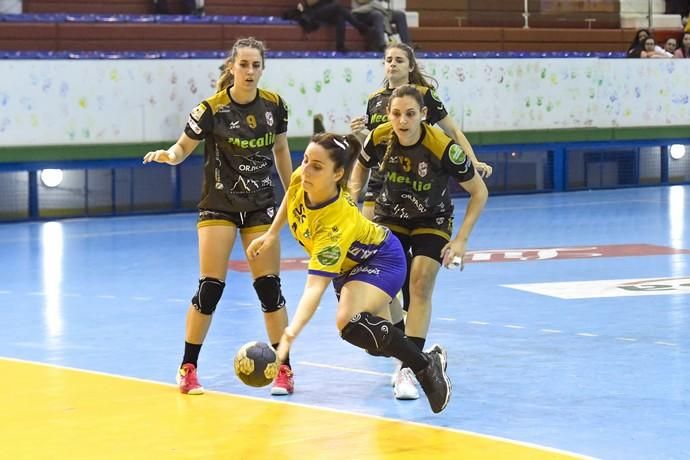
[(78, 36)]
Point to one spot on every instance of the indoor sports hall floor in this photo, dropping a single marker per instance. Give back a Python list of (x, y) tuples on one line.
[(568, 335)]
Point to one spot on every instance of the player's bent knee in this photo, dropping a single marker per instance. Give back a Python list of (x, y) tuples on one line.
[(368, 332), (208, 295), (270, 295)]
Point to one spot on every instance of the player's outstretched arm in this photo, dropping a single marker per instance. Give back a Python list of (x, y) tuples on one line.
[(176, 154), (311, 297)]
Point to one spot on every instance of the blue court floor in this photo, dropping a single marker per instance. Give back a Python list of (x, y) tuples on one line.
[(569, 328)]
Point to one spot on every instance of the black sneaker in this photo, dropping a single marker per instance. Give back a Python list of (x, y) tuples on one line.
[(434, 380), (439, 349)]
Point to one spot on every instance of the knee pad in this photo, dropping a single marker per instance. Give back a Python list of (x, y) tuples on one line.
[(268, 289), (370, 332), (208, 295)]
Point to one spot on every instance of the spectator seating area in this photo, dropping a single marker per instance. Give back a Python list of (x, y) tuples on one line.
[(600, 14), (445, 25)]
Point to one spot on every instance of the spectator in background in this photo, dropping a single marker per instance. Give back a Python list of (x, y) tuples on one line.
[(670, 45), (637, 45), (380, 20), (651, 51), (311, 13), (683, 50)]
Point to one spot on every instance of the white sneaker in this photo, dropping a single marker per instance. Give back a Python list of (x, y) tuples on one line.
[(405, 387), (394, 375)]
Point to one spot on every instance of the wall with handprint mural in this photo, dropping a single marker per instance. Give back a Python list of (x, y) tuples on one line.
[(56, 102)]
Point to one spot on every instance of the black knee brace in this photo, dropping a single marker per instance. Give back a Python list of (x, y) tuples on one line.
[(369, 332), (208, 295), (268, 289)]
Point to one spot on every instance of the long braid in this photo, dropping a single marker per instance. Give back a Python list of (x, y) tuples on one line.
[(392, 144)]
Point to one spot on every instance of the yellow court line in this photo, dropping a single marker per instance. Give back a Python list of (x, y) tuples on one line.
[(52, 412)]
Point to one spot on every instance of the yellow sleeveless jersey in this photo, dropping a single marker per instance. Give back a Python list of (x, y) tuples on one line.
[(335, 235)]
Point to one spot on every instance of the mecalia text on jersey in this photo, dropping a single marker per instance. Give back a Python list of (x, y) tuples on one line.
[(256, 142), (417, 186), (378, 118)]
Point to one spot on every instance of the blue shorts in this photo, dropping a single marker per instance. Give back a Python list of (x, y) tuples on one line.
[(386, 269)]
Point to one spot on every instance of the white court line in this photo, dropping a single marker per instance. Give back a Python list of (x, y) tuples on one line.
[(176, 300), (112, 233), (580, 334), (107, 296), (446, 319), (567, 205), (345, 369), (5, 292), (142, 298)]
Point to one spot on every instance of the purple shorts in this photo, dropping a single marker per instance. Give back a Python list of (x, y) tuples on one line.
[(386, 269)]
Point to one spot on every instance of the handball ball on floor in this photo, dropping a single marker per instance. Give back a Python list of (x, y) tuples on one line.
[(256, 364)]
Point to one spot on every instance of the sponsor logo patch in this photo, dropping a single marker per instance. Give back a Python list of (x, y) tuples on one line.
[(198, 112), (192, 124), (329, 256), (457, 155)]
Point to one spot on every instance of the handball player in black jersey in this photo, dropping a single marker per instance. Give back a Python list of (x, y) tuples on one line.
[(417, 161), (244, 128)]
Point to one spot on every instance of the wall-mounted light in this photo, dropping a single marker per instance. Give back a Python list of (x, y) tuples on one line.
[(677, 151), (51, 177)]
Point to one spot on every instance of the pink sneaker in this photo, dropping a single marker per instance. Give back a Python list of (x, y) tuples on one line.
[(284, 384), (188, 380)]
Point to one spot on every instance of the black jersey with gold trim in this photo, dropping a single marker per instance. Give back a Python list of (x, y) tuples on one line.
[(238, 152), (378, 102), (416, 176)]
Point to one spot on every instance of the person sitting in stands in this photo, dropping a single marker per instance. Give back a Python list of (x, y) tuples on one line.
[(683, 50), (188, 7), (311, 13), (380, 20), (652, 51), (671, 45)]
